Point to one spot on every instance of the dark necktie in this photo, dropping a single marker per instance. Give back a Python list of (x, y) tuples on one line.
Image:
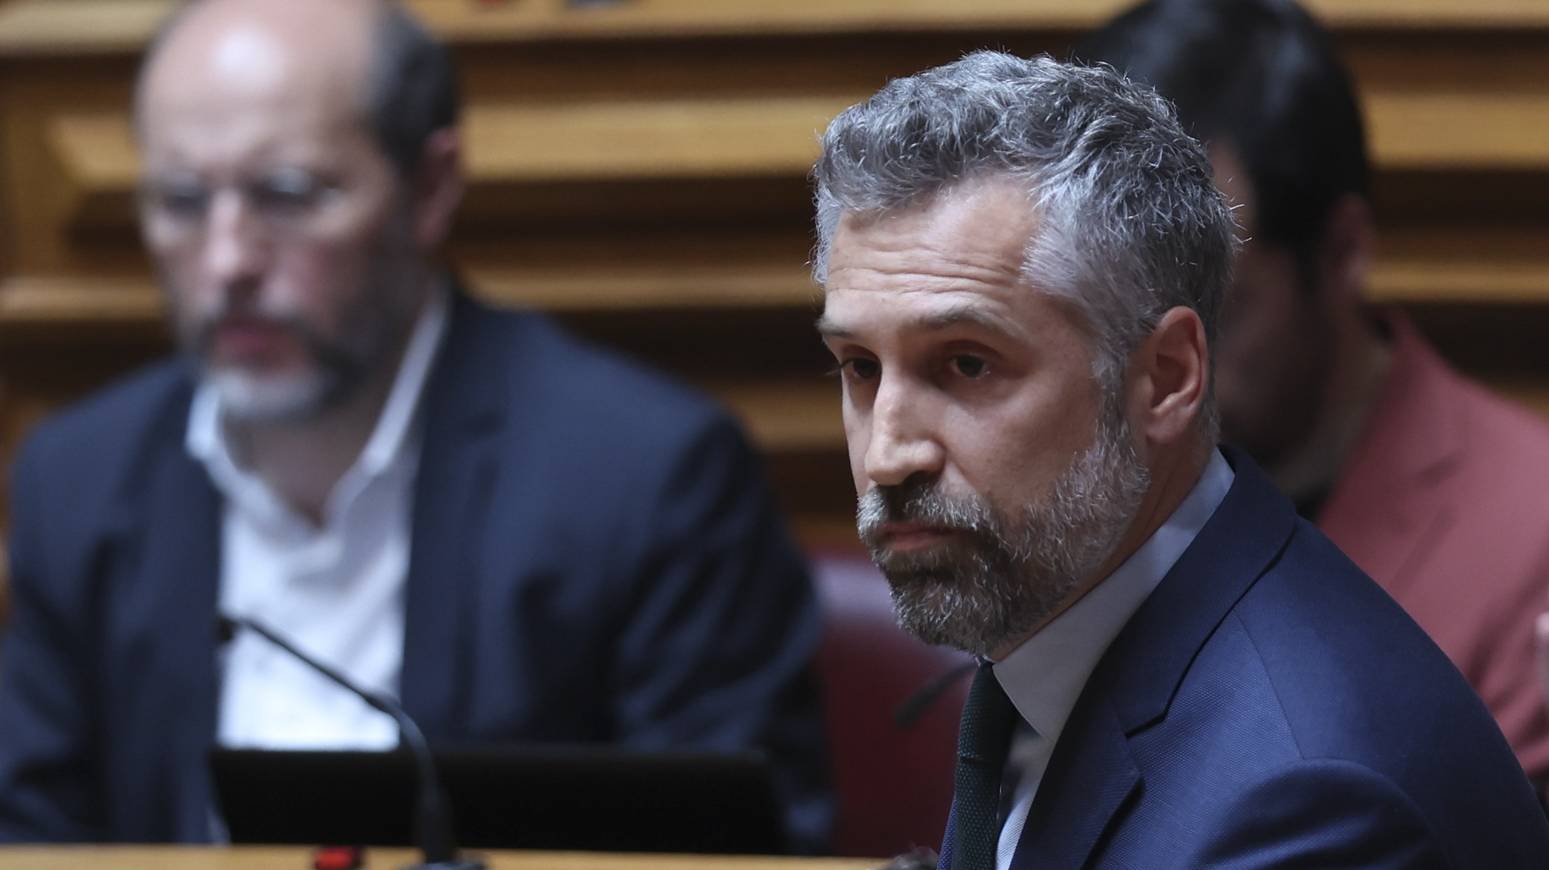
[(983, 740)]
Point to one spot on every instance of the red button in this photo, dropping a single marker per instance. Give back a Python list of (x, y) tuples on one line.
[(338, 858)]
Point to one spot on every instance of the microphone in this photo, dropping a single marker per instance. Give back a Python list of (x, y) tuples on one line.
[(914, 708), (433, 829)]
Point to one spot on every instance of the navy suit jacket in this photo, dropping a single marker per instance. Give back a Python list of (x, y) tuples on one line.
[(1270, 707), (594, 557)]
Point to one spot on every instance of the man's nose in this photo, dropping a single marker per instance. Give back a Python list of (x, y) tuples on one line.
[(903, 442), (234, 242)]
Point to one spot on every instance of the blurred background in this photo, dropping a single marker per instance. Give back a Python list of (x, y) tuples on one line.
[(639, 168)]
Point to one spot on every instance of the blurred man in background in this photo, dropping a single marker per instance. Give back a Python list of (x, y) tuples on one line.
[(520, 537), (1434, 486)]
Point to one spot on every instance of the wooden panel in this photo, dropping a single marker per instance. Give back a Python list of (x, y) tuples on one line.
[(1473, 265), (742, 157), (734, 272), (681, 138), (1459, 130), (96, 26), (640, 169), (705, 138)]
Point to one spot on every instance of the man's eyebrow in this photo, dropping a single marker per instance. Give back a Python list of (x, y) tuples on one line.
[(959, 315), (829, 329), (932, 321)]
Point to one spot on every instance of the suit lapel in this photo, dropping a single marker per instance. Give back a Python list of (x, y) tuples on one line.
[(461, 410), (1148, 660), (1093, 771), (163, 635)]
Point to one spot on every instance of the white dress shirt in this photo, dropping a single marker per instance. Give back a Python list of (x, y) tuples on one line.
[(1045, 675), (334, 590)]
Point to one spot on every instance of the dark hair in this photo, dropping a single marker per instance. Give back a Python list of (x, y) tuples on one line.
[(412, 90), (1262, 77)]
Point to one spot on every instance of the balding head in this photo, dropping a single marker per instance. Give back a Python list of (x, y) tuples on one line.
[(370, 57), (261, 53)]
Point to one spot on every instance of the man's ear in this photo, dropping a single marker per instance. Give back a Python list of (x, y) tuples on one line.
[(1170, 374), (438, 188), (1346, 249)]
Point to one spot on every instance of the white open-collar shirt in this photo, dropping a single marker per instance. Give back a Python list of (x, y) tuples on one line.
[(336, 590)]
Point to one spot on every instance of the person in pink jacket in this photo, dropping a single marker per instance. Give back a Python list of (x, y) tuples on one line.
[(1434, 486)]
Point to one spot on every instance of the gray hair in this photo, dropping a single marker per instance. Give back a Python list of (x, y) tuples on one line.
[(1131, 223)]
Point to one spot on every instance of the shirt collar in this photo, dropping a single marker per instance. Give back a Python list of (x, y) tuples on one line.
[(391, 435), (1045, 675), (206, 438)]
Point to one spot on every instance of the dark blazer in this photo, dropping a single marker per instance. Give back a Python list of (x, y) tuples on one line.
[(1269, 706), (595, 557)]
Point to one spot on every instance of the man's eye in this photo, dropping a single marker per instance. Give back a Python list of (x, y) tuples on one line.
[(969, 366), (860, 368), (185, 201), (288, 191)]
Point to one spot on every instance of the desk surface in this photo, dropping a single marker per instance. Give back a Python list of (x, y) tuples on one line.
[(256, 858)]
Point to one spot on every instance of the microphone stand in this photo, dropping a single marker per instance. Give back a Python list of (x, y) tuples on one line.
[(433, 829)]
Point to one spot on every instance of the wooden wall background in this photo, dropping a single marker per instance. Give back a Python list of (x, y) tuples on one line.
[(639, 168)]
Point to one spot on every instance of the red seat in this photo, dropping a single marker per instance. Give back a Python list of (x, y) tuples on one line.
[(894, 784)]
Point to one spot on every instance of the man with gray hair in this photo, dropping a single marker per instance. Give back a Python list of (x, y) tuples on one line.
[(1023, 265)]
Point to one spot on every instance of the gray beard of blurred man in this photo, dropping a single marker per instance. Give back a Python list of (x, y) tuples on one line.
[(997, 579), (374, 326), (337, 368)]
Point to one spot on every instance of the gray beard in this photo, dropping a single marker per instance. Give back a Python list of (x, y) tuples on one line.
[(1000, 577), (298, 398), (375, 325)]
